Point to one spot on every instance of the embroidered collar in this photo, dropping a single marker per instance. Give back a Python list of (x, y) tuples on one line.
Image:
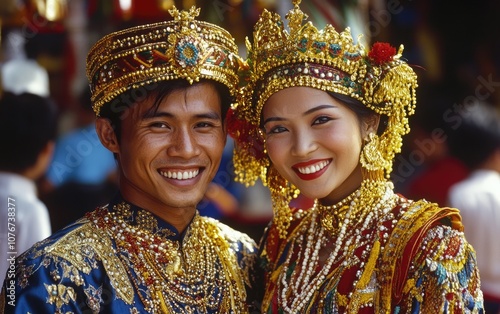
[(144, 219)]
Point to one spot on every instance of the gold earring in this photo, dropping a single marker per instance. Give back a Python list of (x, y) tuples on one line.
[(282, 192), (371, 157)]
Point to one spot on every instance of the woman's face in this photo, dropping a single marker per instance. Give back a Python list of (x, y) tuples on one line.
[(314, 141)]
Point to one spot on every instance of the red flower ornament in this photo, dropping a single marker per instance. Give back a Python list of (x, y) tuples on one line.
[(381, 53), (245, 134)]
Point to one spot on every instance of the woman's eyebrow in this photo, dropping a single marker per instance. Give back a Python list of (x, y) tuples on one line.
[(320, 107)]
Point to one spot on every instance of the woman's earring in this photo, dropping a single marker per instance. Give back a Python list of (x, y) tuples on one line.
[(282, 192), (371, 157)]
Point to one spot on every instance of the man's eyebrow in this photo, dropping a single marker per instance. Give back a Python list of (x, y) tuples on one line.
[(212, 115), (154, 114)]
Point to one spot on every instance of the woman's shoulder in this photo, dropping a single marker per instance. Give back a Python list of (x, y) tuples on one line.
[(411, 223), (444, 268), (417, 214), (427, 242)]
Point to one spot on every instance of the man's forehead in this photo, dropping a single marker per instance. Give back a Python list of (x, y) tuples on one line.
[(197, 100)]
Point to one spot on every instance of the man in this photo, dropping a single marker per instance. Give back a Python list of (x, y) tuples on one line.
[(28, 131), (160, 92)]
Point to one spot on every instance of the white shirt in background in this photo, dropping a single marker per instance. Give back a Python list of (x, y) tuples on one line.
[(478, 199), (31, 221)]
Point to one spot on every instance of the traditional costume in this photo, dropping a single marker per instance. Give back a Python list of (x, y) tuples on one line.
[(121, 258), (375, 251)]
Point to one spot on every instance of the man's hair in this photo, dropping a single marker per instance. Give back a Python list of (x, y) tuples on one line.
[(115, 110), (477, 136), (27, 123)]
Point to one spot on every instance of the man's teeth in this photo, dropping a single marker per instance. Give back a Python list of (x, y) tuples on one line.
[(180, 175), (313, 168)]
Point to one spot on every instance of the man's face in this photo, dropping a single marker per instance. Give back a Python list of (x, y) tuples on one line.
[(169, 156)]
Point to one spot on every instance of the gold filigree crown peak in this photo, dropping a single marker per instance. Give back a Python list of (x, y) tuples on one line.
[(325, 59)]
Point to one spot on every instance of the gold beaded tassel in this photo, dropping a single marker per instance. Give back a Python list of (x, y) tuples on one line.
[(396, 92), (248, 169), (372, 160), (282, 192)]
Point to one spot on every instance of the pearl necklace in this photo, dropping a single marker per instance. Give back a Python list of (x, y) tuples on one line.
[(297, 285)]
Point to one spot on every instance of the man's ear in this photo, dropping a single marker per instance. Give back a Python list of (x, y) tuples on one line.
[(370, 125), (107, 134)]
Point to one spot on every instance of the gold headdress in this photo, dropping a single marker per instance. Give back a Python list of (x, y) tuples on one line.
[(326, 60), (180, 48)]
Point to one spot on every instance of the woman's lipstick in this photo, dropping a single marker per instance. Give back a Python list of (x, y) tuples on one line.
[(312, 169)]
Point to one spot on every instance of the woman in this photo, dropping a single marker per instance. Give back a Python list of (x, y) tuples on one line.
[(320, 116)]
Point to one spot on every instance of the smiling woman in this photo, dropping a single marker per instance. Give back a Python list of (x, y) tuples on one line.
[(301, 120), (321, 116)]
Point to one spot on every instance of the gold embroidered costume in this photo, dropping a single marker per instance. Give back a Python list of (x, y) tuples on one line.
[(123, 259), (375, 251)]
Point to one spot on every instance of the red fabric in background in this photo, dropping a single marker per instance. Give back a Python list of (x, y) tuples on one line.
[(434, 183)]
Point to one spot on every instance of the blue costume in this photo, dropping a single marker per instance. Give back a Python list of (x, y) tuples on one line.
[(123, 259)]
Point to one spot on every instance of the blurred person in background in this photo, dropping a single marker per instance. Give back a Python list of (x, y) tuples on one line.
[(21, 72), (425, 169), (28, 128), (82, 174), (476, 141)]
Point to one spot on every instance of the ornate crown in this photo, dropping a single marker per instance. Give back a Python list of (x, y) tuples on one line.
[(180, 48), (323, 59)]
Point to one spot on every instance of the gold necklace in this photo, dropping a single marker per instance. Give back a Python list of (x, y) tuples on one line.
[(198, 273), (298, 281), (332, 216)]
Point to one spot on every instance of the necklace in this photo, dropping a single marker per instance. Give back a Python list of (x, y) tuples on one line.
[(333, 215), (303, 272), (200, 273)]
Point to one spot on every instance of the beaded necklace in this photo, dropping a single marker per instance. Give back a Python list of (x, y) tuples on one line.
[(200, 274), (332, 216), (300, 280)]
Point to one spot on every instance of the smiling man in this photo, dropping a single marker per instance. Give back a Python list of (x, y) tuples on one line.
[(160, 93)]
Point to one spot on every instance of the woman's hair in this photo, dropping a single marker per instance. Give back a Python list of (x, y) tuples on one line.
[(115, 110)]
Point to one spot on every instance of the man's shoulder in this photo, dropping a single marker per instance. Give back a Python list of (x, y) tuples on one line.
[(45, 246), (63, 244), (79, 252), (232, 235)]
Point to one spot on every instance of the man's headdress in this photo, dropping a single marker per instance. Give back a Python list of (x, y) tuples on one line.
[(182, 48)]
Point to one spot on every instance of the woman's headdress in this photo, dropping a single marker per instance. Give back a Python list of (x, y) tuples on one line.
[(323, 59), (182, 48)]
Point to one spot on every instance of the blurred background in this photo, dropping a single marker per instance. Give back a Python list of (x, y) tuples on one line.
[(454, 47)]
